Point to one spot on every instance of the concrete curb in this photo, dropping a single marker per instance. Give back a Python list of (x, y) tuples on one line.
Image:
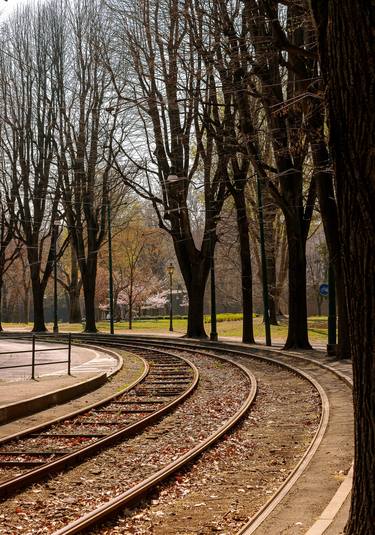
[(330, 512), (55, 397)]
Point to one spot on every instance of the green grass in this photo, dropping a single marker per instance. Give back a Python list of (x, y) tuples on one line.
[(226, 327)]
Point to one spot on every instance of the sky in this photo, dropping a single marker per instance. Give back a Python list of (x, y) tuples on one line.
[(7, 7)]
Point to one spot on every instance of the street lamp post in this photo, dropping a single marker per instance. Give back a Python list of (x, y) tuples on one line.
[(55, 232), (264, 265), (213, 333), (170, 270), (110, 269)]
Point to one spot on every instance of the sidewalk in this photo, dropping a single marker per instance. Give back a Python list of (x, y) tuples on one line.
[(21, 396)]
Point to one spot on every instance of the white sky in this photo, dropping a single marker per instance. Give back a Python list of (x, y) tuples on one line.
[(7, 7)]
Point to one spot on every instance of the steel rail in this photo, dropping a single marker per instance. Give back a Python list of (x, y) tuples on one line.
[(284, 488), (341, 494), (11, 485), (143, 488), (100, 513)]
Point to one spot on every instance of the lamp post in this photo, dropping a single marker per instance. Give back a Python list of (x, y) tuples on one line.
[(264, 265), (111, 320), (170, 270), (213, 333), (55, 232)]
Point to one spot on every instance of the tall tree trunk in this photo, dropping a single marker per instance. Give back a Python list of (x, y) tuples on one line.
[(328, 210), (195, 267), (246, 272), (297, 326), (74, 289), (196, 291), (38, 305), (88, 274), (347, 49)]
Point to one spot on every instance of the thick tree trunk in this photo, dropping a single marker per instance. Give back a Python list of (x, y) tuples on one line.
[(89, 283), (195, 267), (195, 328), (347, 50), (246, 272), (38, 305), (297, 325)]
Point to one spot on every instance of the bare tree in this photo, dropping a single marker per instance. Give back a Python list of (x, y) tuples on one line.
[(86, 133), (254, 60), (170, 94), (28, 110)]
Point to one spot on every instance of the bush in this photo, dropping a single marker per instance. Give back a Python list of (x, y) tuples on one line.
[(226, 316)]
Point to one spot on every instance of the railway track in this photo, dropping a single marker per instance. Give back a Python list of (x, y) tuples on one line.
[(134, 493), (45, 449), (197, 441)]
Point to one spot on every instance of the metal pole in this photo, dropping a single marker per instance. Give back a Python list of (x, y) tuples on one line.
[(33, 357), (213, 333), (331, 347), (170, 304), (111, 320), (264, 265), (55, 323), (69, 353)]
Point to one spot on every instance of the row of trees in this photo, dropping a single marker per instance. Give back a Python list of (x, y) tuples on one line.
[(225, 93), (182, 102)]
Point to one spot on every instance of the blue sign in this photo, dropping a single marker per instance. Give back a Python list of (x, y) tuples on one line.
[(324, 289)]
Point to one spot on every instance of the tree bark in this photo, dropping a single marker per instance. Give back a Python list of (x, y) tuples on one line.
[(38, 305), (297, 326), (246, 271), (195, 291), (88, 273), (347, 51), (74, 291)]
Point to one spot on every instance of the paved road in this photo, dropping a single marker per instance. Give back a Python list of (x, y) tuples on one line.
[(17, 353)]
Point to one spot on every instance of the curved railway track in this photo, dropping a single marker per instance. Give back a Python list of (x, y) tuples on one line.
[(45, 449), (106, 510)]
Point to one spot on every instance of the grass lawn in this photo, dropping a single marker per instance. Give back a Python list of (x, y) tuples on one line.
[(317, 328)]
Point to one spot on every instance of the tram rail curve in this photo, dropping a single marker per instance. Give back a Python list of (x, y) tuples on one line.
[(133, 494), (166, 382)]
